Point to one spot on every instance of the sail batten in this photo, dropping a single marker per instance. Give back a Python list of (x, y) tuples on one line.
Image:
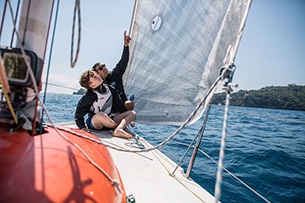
[(176, 52)]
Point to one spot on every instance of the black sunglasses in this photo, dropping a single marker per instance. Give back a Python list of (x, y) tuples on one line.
[(101, 67)]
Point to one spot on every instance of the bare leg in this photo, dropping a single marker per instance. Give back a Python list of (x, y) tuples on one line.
[(100, 120), (123, 119)]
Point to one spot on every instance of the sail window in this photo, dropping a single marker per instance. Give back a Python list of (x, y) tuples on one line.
[(156, 23)]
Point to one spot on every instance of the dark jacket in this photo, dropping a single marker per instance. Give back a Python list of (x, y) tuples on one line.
[(86, 101), (114, 78)]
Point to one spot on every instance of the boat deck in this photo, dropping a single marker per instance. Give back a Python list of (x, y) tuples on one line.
[(147, 175)]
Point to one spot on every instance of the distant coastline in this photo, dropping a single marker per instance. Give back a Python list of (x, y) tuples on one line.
[(291, 97), (81, 91)]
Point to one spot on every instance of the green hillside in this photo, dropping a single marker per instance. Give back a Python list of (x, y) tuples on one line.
[(291, 97)]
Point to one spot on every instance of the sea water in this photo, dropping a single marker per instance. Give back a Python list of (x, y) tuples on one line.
[(265, 148)]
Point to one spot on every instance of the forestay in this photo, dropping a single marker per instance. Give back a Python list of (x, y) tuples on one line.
[(176, 52)]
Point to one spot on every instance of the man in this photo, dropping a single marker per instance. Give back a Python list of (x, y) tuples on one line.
[(98, 103), (114, 77)]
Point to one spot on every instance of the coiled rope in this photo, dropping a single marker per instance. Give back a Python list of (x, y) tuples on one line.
[(76, 7)]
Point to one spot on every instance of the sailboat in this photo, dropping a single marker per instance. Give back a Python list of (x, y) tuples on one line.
[(181, 52)]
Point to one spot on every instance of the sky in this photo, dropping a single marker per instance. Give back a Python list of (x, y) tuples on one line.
[(271, 50)]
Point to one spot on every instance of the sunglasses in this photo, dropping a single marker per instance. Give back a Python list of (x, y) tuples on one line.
[(101, 67)]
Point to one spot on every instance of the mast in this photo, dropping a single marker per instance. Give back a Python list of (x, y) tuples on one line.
[(34, 25)]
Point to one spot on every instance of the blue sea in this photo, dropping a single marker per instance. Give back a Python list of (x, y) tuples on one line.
[(265, 148)]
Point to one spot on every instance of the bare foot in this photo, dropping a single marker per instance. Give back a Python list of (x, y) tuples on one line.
[(121, 133)]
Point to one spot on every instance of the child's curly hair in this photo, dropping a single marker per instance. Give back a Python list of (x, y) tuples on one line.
[(84, 80)]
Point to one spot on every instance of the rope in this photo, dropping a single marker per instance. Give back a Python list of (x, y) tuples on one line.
[(76, 7), (227, 73), (217, 192)]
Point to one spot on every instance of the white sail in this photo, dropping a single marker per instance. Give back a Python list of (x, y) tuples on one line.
[(176, 52)]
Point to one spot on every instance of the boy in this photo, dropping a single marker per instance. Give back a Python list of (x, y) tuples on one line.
[(102, 105)]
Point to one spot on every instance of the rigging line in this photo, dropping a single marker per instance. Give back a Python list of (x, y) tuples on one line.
[(3, 17), (234, 176), (17, 11), (228, 73), (199, 139), (76, 7), (191, 145), (52, 84), (49, 62), (217, 191)]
